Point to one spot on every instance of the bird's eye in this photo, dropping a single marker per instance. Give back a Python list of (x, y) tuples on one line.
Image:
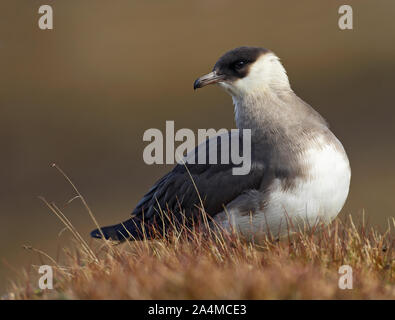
[(239, 64)]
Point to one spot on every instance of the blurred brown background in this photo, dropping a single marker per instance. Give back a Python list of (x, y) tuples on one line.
[(83, 94)]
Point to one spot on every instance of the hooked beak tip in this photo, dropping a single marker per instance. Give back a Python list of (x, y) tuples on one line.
[(211, 78), (197, 84)]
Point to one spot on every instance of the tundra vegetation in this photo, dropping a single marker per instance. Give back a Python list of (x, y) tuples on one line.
[(192, 263)]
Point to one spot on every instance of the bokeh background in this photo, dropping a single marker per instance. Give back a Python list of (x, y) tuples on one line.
[(83, 94)]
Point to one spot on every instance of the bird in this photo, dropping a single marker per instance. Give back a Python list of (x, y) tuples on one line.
[(299, 175)]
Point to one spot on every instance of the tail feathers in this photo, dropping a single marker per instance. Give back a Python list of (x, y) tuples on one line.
[(127, 230)]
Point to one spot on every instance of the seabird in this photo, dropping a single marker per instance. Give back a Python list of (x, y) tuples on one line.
[(300, 173)]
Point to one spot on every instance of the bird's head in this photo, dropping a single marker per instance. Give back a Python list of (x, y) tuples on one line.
[(246, 70)]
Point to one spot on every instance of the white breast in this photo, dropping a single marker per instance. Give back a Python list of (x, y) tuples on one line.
[(321, 196), (317, 198)]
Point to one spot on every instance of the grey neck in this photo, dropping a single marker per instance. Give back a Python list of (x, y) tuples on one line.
[(279, 118), (262, 112)]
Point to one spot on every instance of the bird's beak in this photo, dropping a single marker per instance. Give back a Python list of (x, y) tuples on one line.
[(210, 78)]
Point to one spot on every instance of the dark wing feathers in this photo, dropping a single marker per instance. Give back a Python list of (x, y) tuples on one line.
[(216, 184)]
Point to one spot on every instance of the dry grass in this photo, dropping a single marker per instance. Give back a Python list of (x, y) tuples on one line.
[(201, 267), (190, 264)]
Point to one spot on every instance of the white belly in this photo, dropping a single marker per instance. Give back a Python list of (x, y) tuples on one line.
[(317, 198)]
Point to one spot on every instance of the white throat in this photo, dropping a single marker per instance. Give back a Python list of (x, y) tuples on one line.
[(266, 76)]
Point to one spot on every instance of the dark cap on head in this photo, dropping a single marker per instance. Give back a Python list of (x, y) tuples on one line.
[(233, 65), (236, 62)]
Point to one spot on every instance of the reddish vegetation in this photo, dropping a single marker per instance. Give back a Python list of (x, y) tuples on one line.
[(192, 265)]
